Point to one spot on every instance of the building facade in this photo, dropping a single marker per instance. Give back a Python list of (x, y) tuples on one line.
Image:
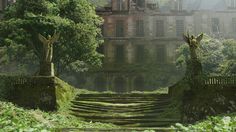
[(141, 38)]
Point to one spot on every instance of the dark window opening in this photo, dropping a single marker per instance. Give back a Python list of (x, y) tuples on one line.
[(140, 3), (100, 84), (140, 54), (160, 28), (215, 25), (139, 28), (119, 85), (179, 28), (119, 28), (139, 84), (120, 54), (161, 54)]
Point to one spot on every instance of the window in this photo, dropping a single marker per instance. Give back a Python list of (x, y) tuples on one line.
[(179, 5), (120, 5), (161, 54), (139, 28), (234, 24), (120, 54), (160, 28), (232, 3), (179, 28), (215, 25), (140, 54), (119, 28), (140, 3)]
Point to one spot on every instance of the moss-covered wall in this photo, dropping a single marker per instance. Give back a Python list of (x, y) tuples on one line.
[(45, 93)]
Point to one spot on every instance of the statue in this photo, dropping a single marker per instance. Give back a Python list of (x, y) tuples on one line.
[(46, 65), (193, 43), (194, 66)]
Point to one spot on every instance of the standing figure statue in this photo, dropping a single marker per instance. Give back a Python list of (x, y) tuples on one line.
[(194, 66), (46, 65)]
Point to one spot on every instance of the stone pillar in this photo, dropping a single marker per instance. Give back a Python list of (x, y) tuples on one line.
[(46, 69)]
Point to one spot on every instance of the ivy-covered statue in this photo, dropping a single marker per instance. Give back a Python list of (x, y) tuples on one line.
[(194, 66), (46, 65)]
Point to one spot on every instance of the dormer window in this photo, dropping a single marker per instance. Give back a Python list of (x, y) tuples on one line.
[(179, 5), (120, 5), (232, 3)]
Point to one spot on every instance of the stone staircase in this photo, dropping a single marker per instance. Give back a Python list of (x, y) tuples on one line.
[(126, 110)]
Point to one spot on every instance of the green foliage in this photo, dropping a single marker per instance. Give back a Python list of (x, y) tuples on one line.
[(212, 124), (76, 20), (216, 56), (13, 118)]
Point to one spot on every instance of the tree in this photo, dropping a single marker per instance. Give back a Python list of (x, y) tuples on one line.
[(217, 56), (76, 20)]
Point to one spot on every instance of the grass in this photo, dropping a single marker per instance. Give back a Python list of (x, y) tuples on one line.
[(13, 118), (222, 123)]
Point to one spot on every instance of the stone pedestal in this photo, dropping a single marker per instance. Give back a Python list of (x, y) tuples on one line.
[(46, 69)]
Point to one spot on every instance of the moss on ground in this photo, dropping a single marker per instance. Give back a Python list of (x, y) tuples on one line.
[(13, 118)]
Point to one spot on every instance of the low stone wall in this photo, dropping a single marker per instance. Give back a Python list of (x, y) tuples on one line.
[(218, 96), (40, 92)]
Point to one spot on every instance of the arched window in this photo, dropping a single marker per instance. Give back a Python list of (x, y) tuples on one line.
[(100, 84), (120, 85), (139, 84)]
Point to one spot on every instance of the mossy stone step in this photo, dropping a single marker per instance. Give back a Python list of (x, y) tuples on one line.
[(134, 110), (101, 109), (92, 111), (133, 104), (138, 121), (124, 95)]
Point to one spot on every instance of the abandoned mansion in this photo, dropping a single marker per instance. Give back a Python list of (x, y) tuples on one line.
[(141, 38)]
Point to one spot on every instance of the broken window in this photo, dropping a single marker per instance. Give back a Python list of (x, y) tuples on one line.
[(120, 54), (160, 28), (140, 54), (215, 25), (139, 28), (161, 53), (119, 28), (179, 28)]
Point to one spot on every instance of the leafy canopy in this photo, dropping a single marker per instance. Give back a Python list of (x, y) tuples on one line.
[(217, 56), (76, 20)]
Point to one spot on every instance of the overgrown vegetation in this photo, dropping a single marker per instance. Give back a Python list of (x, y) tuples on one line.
[(224, 123), (217, 56), (13, 118)]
